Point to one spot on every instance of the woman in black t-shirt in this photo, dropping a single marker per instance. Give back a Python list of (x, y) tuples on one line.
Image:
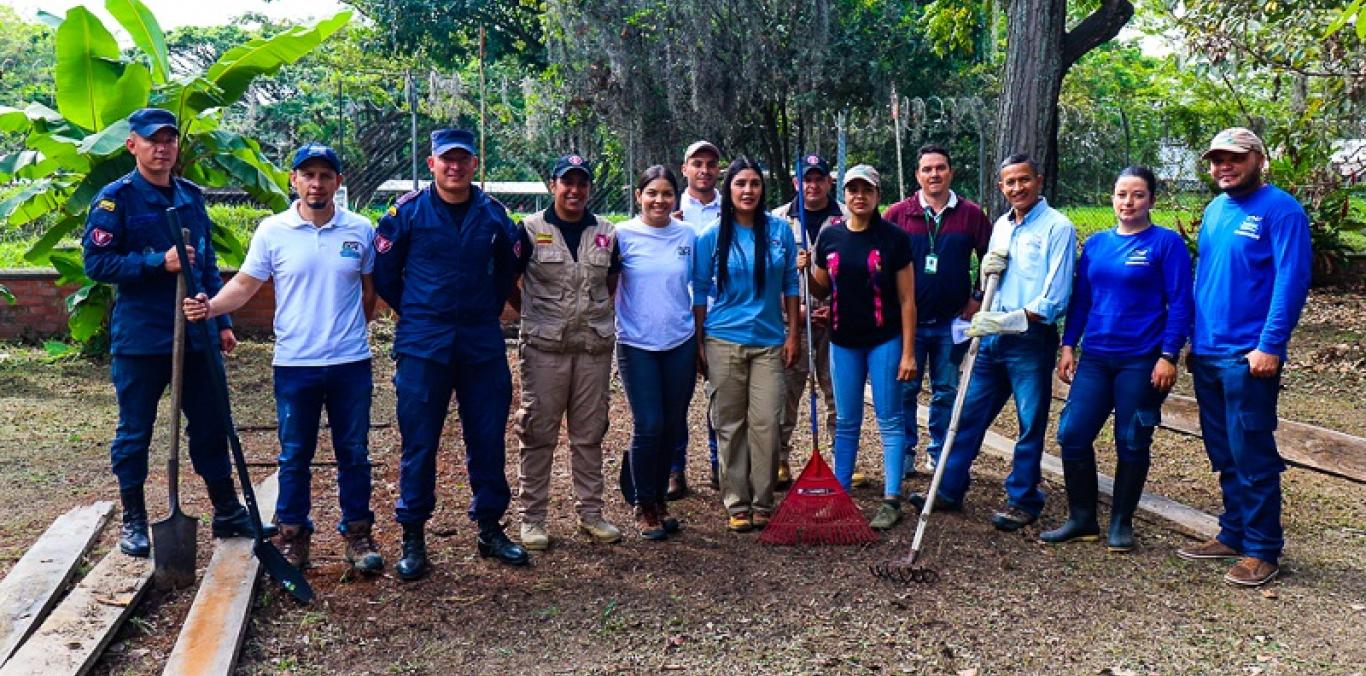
[(864, 265)]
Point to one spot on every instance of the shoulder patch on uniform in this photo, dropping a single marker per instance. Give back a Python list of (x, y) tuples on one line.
[(545, 238), (602, 241), (393, 210), (101, 237), (383, 244), (106, 204), (406, 198)]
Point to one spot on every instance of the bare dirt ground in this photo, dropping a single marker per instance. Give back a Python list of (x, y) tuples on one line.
[(708, 601)]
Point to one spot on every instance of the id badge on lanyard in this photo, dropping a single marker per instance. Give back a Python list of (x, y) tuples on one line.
[(931, 264)]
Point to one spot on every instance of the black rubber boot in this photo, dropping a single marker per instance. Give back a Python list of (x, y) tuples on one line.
[(493, 542), (230, 518), (1129, 479), (413, 565), (1080, 477), (133, 539)]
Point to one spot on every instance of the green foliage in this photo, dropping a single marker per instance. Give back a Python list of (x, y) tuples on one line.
[(448, 30)]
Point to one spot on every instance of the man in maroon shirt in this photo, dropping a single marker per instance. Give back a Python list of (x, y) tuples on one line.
[(945, 230)]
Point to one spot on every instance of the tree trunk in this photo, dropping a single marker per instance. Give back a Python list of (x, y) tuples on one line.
[(1038, 54)]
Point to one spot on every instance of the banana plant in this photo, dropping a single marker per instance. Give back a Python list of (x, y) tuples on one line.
[(73, 151)]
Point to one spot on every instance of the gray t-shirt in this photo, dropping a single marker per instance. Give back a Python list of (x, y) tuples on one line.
[(654, 307)]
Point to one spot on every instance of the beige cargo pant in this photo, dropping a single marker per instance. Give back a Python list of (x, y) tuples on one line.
[(573, 386), (747, 394)]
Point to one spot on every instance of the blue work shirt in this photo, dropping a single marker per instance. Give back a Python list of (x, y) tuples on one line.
[(447, 281), (126, 238), (1252, 274), (740, 314), (1038, 275)]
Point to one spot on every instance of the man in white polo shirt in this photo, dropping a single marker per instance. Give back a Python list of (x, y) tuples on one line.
[(321, 258)]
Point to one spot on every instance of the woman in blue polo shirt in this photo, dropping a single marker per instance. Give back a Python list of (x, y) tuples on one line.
[(1131, 313), (743, 348)]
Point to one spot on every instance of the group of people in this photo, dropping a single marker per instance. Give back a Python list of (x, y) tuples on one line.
[(707, 279)]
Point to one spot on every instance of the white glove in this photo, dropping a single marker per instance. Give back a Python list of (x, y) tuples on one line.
[(994, 263), (993, 323)]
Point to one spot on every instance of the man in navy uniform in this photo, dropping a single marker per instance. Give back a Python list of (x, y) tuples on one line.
[(128, 244), (446, 259)]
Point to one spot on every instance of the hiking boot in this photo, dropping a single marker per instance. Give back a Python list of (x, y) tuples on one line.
[(648, 523), (230, 518), (760, 519), (1129, 478), (941, 503), (740, 522), (784, 476), (413, 565), (534, 536), (1011, 518), (293, 542), (1080, 478), (678, 486), (1209, 549), (888, 514), (361, 551), (494, 543), (133, 539), (597, 528), (1251, 572), (858, 480), (669, 523), (715, 481)]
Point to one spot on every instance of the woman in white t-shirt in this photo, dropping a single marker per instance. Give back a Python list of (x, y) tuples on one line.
[(656, 350)]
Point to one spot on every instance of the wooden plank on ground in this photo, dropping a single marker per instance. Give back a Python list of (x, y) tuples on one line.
[(35, 583), (74, 635), (1307, 446), (211, 637)]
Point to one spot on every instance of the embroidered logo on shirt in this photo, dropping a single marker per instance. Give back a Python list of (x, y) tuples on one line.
[(1250, 227), (602, 241), (350, 250), (1137, 257), (107, 205), (383, 244), (544, 238), (101, 237), (684, 251)]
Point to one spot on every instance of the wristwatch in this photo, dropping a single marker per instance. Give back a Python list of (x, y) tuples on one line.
[(1169, 358)]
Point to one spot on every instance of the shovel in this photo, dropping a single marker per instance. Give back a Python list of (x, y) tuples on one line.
[(274, 563), (175, 539)]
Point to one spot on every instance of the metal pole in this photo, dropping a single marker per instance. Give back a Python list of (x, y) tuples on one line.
[(896, 132), (411, 86), (341, 125), (482, 162), (842, 148)]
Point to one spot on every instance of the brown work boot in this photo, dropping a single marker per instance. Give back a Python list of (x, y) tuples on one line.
[(361, 551), (293, 541), (1209, 549), (1251, 572)]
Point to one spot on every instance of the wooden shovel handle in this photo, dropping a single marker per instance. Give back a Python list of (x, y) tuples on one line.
[(177, 382)]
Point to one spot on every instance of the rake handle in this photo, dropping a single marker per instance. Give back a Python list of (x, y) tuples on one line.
[(177, 387)]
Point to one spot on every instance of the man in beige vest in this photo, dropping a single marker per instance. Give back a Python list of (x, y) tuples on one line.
[(821, 211), (567, 336)]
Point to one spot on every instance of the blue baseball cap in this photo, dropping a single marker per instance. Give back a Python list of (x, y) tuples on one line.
[(316, 151), (446, 140), (147, 121), (571, 162)]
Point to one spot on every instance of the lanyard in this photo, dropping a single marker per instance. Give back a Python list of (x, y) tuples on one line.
[(933, 224)]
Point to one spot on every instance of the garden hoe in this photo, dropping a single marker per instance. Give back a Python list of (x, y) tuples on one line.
[(289, 577), (175, 540), (908, 568)]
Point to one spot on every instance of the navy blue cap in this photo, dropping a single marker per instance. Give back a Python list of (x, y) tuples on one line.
[(571, 162), (446, 140), (312, 151), (147, 121), (814, 162)]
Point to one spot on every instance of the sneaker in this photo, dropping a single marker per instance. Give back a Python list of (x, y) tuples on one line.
[(784, 476), (1251, 572), (361, 551), (888, 514), (648, 523), (761, 519), (1209, 549), (534, 536), (670, 524), (858, 480), (293, 542), (599, 529), (1011, 518), (941, 503), (740, 522), (678, 486)]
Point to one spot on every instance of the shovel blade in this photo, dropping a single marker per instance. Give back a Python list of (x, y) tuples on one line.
[(291, 579), (175, 545)]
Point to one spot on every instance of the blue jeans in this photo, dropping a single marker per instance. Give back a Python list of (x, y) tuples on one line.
[(679, 457), (1021, 365), (139, 382), (301, 392), (1237, 419), (935, 349), (659, 387), (1102, 384), (850, 368), (483, 392)]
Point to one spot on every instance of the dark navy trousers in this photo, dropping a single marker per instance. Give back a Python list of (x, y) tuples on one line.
[(139, 382), (1237, 419), (1103, 384), (483, 393)]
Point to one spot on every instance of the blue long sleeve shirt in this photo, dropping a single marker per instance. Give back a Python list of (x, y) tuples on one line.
[(739, 314), (1132, 294), (1043, 251), (1252, 276)]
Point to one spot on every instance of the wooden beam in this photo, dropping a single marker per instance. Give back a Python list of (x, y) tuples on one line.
[(210, 640), (74, 635), (1307, 446), (34, 584)]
